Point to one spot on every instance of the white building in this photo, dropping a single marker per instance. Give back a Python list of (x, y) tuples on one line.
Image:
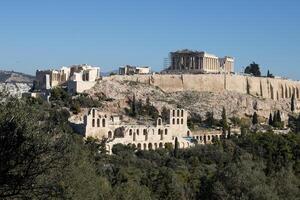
[(187, 61), (77, 77), (130, 70), (145, 137)]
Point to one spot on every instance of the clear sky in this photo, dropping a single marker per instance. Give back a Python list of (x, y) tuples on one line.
[(109, 33)]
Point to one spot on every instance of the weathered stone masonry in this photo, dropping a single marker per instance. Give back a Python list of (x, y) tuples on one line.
[(272, 88)]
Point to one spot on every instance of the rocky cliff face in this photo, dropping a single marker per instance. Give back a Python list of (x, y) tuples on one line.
[(236, 104)]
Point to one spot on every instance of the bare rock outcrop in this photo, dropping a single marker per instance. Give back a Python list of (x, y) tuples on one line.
[(236, 104)]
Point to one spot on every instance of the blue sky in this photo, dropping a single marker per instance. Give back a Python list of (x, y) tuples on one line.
[(40, 34)]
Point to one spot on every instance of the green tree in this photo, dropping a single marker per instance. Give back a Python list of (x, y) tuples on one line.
[(253, 69), (223, 122), (210, 120), (28, 151), (165, 115), (176, 146), (270, 120), (255, 118)]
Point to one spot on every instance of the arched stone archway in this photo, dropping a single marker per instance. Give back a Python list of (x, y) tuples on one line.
[(139, 146), (155, 146), (145, 146), (188, 133), (160, 145), (159, 122), (150, 146), (110, 135)]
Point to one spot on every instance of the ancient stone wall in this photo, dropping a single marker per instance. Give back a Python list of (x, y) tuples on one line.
[(272, 88)]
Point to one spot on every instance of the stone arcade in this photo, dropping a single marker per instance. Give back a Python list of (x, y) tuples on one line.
[(145, 137)]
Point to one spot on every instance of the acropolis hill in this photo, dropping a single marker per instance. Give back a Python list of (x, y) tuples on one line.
[(271, 88), (201, 93)]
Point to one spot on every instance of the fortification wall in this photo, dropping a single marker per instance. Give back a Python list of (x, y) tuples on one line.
[(258, 86)]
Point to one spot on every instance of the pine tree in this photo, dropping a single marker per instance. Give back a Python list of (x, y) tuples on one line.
[(255, 118), (133, 106), (223, 122), (271, 120), (278, 117), (165, 115), (176, 148)]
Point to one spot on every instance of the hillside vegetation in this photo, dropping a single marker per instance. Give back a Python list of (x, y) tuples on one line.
[(41, 158)]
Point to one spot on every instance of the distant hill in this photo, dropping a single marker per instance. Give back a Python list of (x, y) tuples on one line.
[(116, 71), (15, 77)]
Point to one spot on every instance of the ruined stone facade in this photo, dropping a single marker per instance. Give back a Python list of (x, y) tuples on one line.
[(130, 70), (76, 77), (186, 61), (145, 137)]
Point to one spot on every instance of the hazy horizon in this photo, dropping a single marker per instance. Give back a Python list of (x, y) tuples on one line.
[(39, 35)]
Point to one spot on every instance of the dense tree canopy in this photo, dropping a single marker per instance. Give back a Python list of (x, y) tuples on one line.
[(253, 69), (41, 158)]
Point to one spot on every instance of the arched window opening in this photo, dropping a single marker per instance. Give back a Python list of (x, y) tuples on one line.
[(181, 121), (178, 113), (103, 122), (159, 122), (109, 134), (139, 146), (98, 122), (130, 132), (181, 113), (93, 122), (160, 145), (166, 131), (177, 121), (173, 121)]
